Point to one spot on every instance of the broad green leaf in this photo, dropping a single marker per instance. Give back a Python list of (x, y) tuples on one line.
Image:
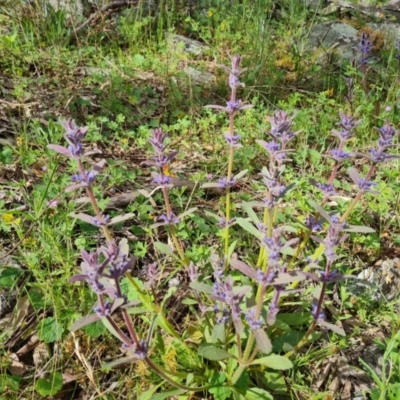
[(359, 229), (231, 249), (263, 341), (250, 212), (95, 330), (163, 248), (89, 319), (9, 383), (249, 227), (299, 318), (274, 361), (148, 394), (241, 174), (332, 327), (211, 352), (121, 218), (189, 302), (110, 328), (49, 330), (50, 386), (257, 394), (168, 395), (320, 210), (201, 287), (218, 333)]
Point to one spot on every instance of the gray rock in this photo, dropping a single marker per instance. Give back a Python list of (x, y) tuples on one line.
[(393, 9), (316, 4), (199, 77), (73, 8), (378, 283), (390, 29), (334, 38), (181, 43)]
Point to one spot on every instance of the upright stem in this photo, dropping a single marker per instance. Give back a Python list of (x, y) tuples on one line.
[(172, 230), (229, 176)]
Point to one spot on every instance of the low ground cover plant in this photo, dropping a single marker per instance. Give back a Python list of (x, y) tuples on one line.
[(229, 273), (235, 301)]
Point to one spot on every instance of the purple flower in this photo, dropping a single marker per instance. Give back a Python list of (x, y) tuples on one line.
[(333, 237), (275, 245), (157, 140), (232, 140), (102, 312), (225, 224), (320, 315), (265, 278), (365, 47), (161, 179), (223, 318), (170, 219), (192, 272), (340, 155), (253, 323), (387, 134), (105, 219), (312, 224), (365, 185), (234, 72), (142, 350), (223, 182), (328, 190)]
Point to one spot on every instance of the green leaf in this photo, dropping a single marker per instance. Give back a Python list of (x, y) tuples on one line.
[(189, 302), (110, 328), (231, 249), (288, 338), (211, 352), (8, 276), (219, 391), (95, 329), (249, 227), (148, 394), (201, 287), (274, 361), (243, 382), (263, 341), (168, 395), (49, 330), (246, 207), (218, 333), (50, 386), (258, 394), (163, 248), (9, 383), (299, 318)]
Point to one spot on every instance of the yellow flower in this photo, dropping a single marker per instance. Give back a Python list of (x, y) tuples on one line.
[(9, 219), (19, 141), (329, 92), (210, 13)]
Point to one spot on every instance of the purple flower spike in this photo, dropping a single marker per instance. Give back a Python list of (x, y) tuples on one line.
[(157, 140), (234, 72), (365, 47)]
